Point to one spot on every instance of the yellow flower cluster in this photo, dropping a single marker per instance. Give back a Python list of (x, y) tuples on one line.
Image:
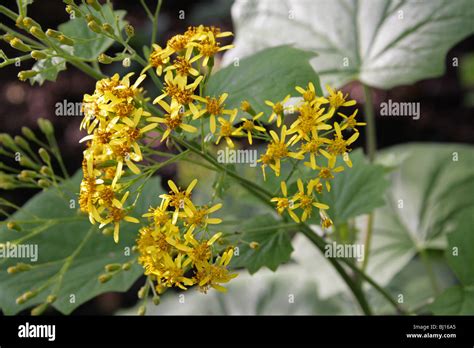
[(113, 119), (174, 248), (309, 137), (186, 62)]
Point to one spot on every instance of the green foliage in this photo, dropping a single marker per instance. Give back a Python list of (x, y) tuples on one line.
[(72, 253), (88, 44), (49, 68), (268, 75), (431, 188), (273, 244), (380, 43), (459, 299)]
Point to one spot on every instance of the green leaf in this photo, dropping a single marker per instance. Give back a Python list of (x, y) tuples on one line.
[(274, 245), (268, 75), (460, 255), (432, 186), (88, 44), (355, 191), (71, 244), (380, 43), (49, 68), (455, 300)]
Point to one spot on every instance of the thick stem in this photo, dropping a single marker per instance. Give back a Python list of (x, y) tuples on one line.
[(371, 137)]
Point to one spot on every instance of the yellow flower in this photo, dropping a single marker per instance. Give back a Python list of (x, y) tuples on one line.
[(350, 122), (327, 173), (198, 252), (286, 204), (214, 107), (336, 99), (184, 64), (278, 149), (173, 119), (339, 146), (178, 198), (208, 48), (176, 87), (309, 94), (313, 147), (158, 215), (250, 127), (227, 130), (116, 213), (212, 275), (172, 273), (278, 110), (199, 217), (158, 59), (326, 222), (306, 200), (310, 118)]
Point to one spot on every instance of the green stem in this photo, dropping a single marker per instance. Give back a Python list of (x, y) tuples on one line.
[(368, 240), (371, 137), (429, 270)]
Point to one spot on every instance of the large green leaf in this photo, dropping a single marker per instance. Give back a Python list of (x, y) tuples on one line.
[(460, 255), (274, 244), (432, 186), (380, 43), (88, 44), (71, 244), (268, 75)]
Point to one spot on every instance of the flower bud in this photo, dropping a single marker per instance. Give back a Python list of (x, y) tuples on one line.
[(26, 74), (13, 226), (7, 182), (28, 133), (108, 28), (112, 267), (38, 310), (20, 141), (51, 299), (126, 266), (53, 33), (254, 245), (29, 22), (141, 292), (46, 126), (44, 155), (95, 4), (104, 278), (107, 231), (66, 40), (8, 142), (19, 45), (38, 55), (129, 30), (104, 59), (94, 27), (37, 32), (142, 310), (156, 300), (43, 183), (126, 62)]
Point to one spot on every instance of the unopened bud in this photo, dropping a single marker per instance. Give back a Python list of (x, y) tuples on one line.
[(108, 28), (19, 45), (46, 126), (95, 4), (126, 266), (156, 300), (129, 30), (94, 27), (104, 59), (38, 310), (38, 55), (37, 32), (13, 226), (25, 161), (112, 267), (254, 245), (126, 62), (43, 183), (141, 292), (46, 171), (28, 133), (66, 40), (44, 155), (53, 33), (142, 310), (104, 278), (26, 74), (20, 141), (51, 299), (29, 22), (107, 231)]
